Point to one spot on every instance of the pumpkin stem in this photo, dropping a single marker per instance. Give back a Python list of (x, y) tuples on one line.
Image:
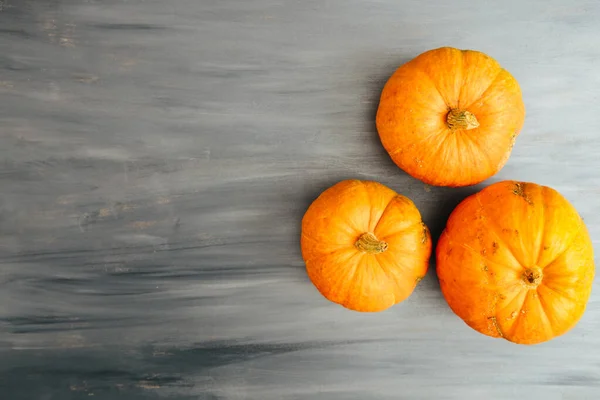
[(532, 276), (459, 119), (368, 243)]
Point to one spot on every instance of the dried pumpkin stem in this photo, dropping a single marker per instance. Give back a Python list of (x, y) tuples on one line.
[(368, 243), (461, 119), (532, 276)]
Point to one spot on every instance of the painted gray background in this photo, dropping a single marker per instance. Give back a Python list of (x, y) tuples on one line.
[(156, 158)]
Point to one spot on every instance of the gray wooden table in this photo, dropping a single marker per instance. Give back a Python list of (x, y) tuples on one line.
[(156, 158)]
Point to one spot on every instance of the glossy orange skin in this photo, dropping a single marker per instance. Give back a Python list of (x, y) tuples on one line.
[(492, 238), (415, 102), (350, 277)]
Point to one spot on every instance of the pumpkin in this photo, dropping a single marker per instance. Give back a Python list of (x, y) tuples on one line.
[(450, 117), (364, 245), (515, 261)]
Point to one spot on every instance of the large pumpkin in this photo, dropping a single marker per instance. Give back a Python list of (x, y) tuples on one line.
[(450, 117), (516, 262), (365, 246)]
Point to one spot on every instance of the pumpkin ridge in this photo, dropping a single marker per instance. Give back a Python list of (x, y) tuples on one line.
[(461, 79), (418, 142), (469, 248), (466, 82), (398, 266), (568, 247), (387, 274), (496, 325), (339, 246), (321, 255), (515, 325), (482, 149), (314, 240), (348, 227), (386, 237), (545, 313), (493, 229), (543, 225), (318, 259), (385, 211), (433, 154), (492, 83), (325, 282), (370, 203), (434, 83), (351, 281), (560, 293), (510, 304), (495, 113)]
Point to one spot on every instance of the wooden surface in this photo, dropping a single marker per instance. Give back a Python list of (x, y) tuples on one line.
[(157, 157)]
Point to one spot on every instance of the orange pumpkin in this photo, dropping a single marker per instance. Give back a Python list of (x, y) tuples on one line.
[(516, 262), (365, 246), (450, 117)]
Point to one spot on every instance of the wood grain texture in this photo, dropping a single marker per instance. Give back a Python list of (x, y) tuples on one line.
[(156, 159)]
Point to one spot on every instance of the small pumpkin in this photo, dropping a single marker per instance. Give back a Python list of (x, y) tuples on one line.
[(450, 117), (516, 262), (365, 246)]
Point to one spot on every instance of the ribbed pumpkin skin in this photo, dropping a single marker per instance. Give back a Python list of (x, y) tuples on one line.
[(345, 261), (414, 109), (516, 262)]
